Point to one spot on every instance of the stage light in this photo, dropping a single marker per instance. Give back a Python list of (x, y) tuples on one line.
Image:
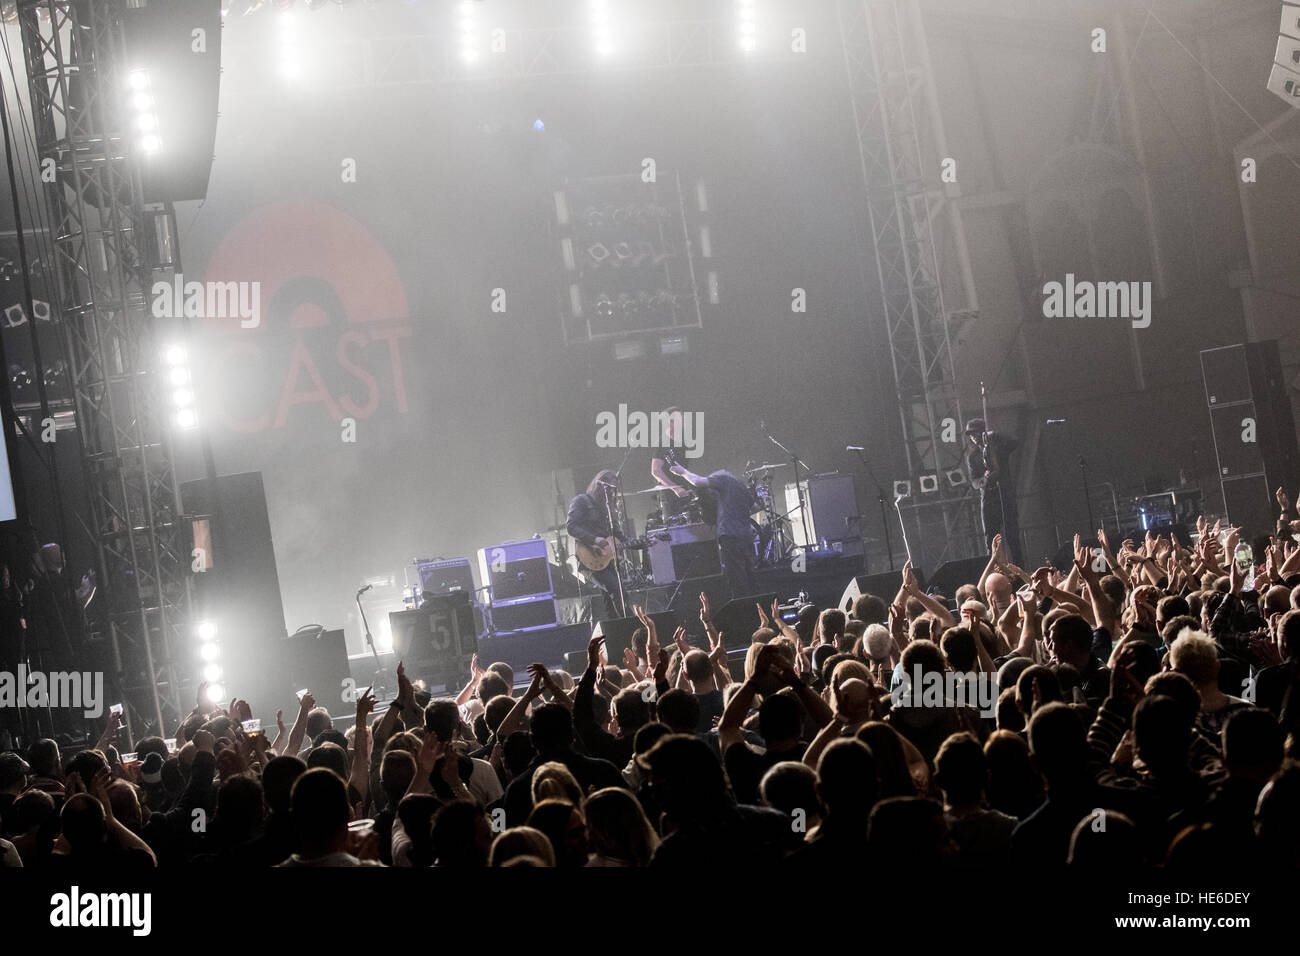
[(141, 102), (956, 477), (138, 80), (182, 398), (468, 42), (216, 693), (174, 355), (212, 673), (746, 27), (929, 484), (150, 143), (186, 418), (539, 126), (146, 122), (602, 34), (209, 652), (206, 630), (179, 376), (903, 489)]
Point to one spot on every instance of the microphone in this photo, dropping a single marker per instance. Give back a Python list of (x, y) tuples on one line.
[(364, 590), (854, 448)]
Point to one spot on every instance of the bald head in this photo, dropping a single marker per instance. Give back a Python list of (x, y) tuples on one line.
[(998, 587), (855, 699)]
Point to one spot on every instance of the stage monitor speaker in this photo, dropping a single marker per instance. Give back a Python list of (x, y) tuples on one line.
[(437, 640), (617, 632), (883, 584), (738, 619), (833, 505), (313, 659), (951, 575), (446, 576), (1252, 420), (1249, 504), (575, 662), (517, 617)]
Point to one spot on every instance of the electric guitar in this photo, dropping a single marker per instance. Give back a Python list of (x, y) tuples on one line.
[(597, 557)]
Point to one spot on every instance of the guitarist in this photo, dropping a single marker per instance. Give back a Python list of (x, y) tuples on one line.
[(589, 524)]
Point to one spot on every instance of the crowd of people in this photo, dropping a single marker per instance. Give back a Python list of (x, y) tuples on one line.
[(1144, 710)]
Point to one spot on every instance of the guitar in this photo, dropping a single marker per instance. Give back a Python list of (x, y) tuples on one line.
[(597, 558)]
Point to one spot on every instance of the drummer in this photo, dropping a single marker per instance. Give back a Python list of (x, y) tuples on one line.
[(669, 457)]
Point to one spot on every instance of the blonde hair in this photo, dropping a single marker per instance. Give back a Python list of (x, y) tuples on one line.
[(552, 780), (521, 841), (846, 670), (1194, 655), (618, 828)]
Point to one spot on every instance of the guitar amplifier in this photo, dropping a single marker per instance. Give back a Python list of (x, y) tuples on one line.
[(690, 551), (436, 641), (517, 570), (445, 576)]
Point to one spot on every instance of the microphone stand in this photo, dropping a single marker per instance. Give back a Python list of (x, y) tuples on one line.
[(884, 513), (798, 486), (903, 527), (984, 452), (370, 640)]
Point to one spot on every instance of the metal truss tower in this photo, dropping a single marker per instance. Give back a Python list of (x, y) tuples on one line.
[(899, 137), (77, 71)]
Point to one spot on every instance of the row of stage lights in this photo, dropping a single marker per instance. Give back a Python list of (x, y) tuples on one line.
[(176, 370), (210, 657), (470, 32)]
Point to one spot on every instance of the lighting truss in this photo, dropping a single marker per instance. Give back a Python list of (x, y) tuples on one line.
[(76, 69)]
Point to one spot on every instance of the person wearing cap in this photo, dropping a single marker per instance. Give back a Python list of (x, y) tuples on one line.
[(987, 456), (13, 781)]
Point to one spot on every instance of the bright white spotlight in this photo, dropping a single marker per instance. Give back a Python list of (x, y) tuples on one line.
[(207, 630), (179, 376), (146, 122), (150, 143), (138, 79), (187, 418), (182, 397), (209, 652), (141, 102), (216, 693), (212, 673)]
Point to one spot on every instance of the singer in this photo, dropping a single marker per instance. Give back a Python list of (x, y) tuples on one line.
[(987, 456), (589, 523)]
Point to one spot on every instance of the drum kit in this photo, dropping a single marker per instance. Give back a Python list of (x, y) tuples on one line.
[(769, 523)]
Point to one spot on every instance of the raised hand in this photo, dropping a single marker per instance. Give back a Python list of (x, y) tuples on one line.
[(1283, 501), (629, 658), (593, 653), (679, 639), (909, 576), (365, 705), (996, 549), (308, 703), (763, 619), (405, 689), (706, 613)]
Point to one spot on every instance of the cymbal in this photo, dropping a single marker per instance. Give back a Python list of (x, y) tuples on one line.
[(650, 491), (758, 468)]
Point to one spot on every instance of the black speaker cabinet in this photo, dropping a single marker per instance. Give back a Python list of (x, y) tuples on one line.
[(313, 659), (437, 640), (617, 633), (738, 619), (883, 585)]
